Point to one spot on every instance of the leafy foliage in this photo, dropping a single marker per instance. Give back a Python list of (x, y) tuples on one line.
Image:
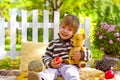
[(109, 15), (7, 63)]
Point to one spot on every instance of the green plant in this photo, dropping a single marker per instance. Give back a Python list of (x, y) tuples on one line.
[(107, 39), (8, 63), (5, 63)]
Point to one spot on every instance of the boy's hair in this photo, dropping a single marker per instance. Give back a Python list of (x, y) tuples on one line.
[(72, 21)]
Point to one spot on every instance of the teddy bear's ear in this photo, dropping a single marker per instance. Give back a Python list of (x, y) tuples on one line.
[(82, 31), (75, 34), (84, 35)]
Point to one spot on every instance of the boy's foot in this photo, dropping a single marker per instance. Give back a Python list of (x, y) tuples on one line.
[(33, 76), (17, 72)]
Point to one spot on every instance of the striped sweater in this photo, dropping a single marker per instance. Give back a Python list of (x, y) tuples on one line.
[(59, 47)]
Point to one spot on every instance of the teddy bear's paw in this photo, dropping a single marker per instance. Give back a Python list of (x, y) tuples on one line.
[(82, 64), (66, 61), (83, 48)]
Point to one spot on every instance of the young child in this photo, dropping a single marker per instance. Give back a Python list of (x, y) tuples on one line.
[(61, 47)]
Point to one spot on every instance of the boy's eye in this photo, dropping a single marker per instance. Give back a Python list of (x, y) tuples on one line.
[(63, 26), (70, 29)]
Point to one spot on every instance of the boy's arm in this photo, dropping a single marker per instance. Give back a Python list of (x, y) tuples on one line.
[(86, 55), (48, 55)]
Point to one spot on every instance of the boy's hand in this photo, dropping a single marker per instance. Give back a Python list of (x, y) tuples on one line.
[(56, 62), (58, 59), (76, 55)]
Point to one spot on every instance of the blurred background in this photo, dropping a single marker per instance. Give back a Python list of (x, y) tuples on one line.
[(96, 10)]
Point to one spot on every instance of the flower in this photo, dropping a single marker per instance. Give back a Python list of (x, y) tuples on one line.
[(107, 38)]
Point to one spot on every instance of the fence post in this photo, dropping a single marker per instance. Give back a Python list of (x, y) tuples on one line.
[(87, 31), (13, 26), (56, 24), (2, 38), (24, 25), (45, 26), (35, 26)]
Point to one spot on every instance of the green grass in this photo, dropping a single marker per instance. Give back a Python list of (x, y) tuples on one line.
[(96, 54)]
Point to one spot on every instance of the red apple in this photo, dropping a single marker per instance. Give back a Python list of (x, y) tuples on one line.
[(58, 60), (101, 78), (109, 74)]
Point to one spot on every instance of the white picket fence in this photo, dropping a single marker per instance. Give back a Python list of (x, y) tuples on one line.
[(23, 25)]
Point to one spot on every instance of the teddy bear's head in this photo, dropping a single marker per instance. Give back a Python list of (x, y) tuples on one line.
[(78, 39)]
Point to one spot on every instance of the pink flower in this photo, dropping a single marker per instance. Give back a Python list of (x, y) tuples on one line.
[(111, 29), (100, 37), (104, 37), (104, 25), (116, 34), (118, 39), (102, 49), (111, 41), (97, 33)]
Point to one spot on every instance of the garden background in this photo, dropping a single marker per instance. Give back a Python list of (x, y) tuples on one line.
[(97, 10)]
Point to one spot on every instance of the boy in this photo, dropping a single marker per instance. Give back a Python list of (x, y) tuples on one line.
[(61, 47)]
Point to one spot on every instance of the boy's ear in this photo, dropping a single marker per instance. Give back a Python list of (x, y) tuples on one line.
[(74, 33)]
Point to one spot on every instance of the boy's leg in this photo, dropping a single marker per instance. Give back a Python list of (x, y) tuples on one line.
[(49, 74), (69, 72)]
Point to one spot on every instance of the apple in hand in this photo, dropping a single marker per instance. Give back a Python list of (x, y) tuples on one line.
[(58, 60), (102, 79), (109, 74)]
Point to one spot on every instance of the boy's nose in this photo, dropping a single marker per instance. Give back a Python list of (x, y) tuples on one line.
[(65, 30)]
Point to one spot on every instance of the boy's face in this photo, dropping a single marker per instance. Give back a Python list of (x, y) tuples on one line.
[(66, 32)]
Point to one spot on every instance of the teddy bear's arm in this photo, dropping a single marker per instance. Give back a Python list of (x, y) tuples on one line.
[(82, 48), (69, 60)]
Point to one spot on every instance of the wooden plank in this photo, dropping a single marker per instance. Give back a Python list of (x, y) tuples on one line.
[(56, 24), (24, 25), (13, 33), (45, 26), (2, 37), (35, 26), (87, 31)]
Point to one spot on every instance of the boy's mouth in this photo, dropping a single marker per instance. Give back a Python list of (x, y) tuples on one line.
[(64, 35)]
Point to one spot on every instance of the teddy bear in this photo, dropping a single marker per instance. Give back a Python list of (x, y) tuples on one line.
[(77, 42)]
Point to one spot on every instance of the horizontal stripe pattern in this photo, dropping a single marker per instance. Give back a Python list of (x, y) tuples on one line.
[(61, 48)]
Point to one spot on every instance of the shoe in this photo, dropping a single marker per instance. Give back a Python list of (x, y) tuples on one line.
[(17, 72), (33, 76)]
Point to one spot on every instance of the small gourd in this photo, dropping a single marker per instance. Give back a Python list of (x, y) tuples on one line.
[(35, 66)]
